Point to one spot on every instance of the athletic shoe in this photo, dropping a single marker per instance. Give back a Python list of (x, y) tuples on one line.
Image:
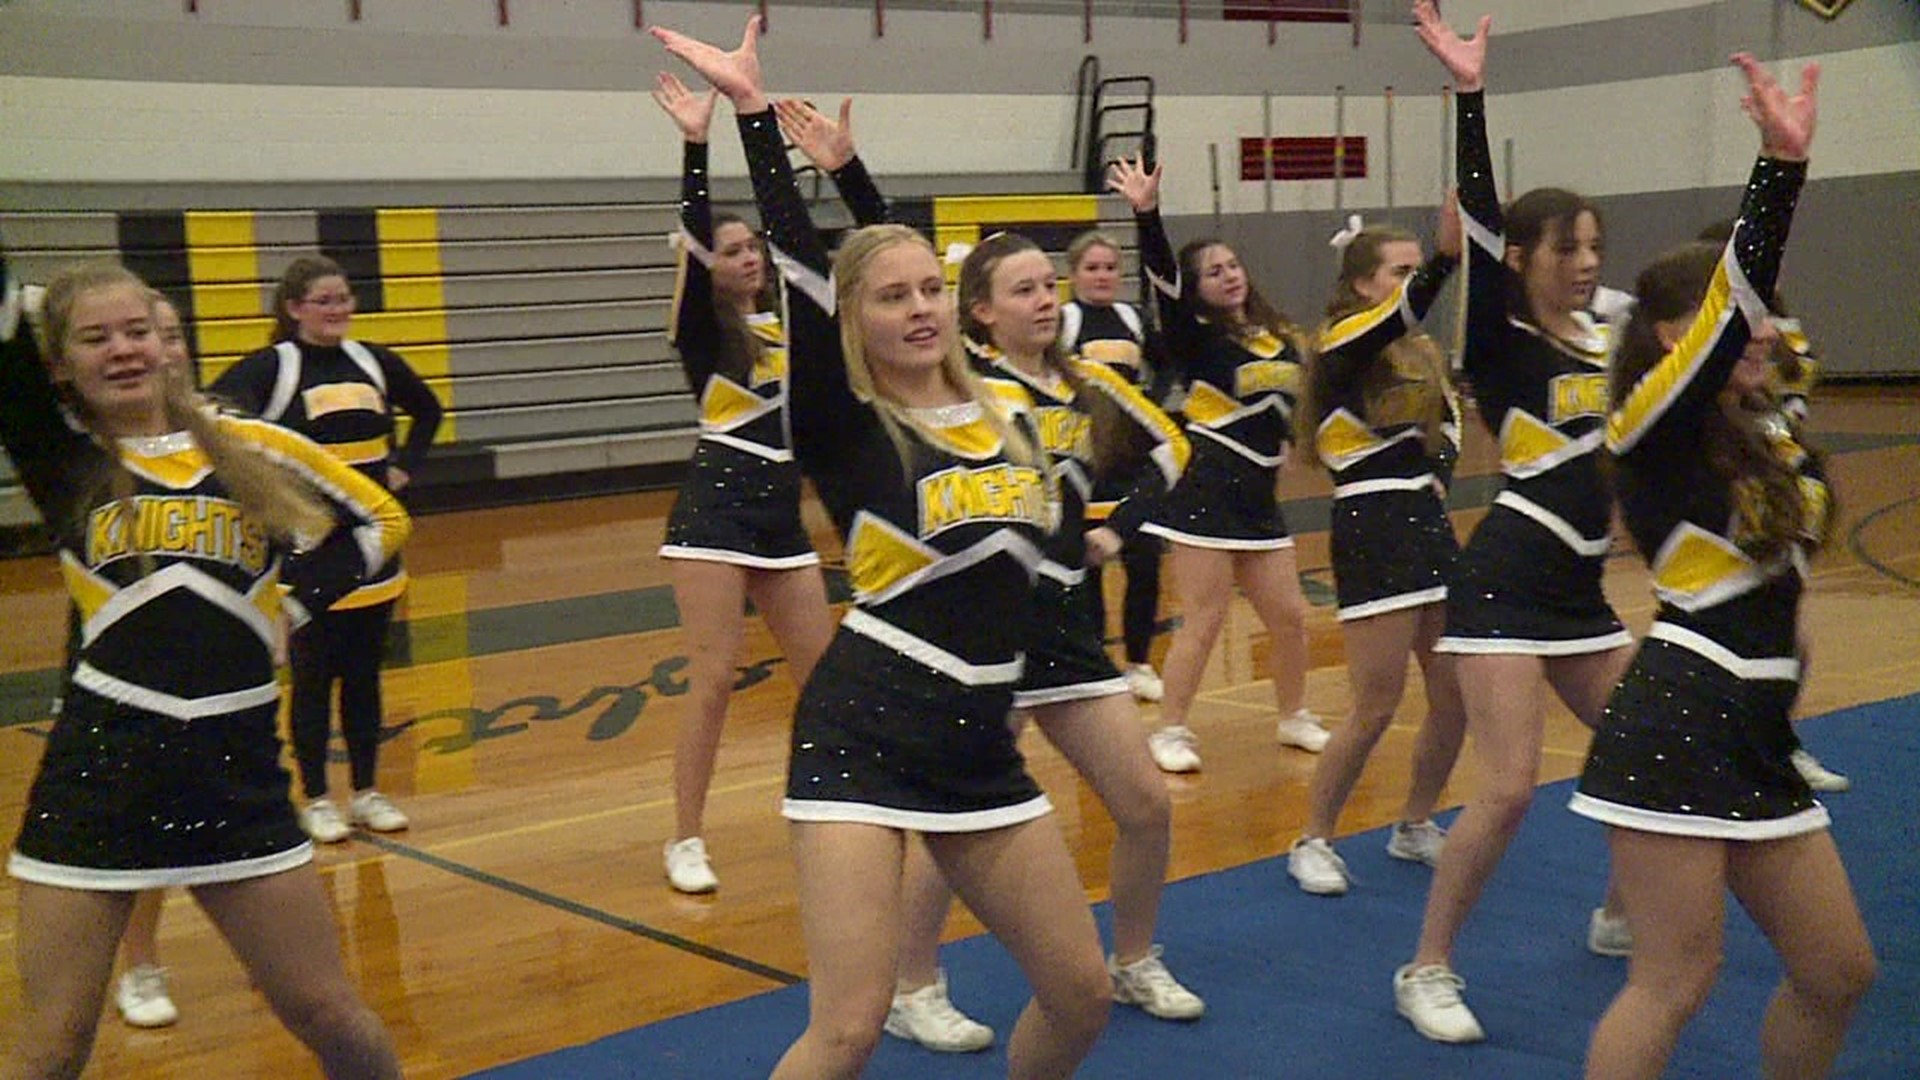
[(927, 1016), (1144, 683), (1175, 749), (687, 866), (1607, 935), (1303, 730), (1818, 776), (1429, 997), (141, 996), (1317, 867), (376, 812), (322, 821), (1417, 841), (1147, 983)]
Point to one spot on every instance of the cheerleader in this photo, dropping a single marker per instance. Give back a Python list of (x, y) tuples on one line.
[(342, 394), (1098, 325), (734, 534), (163, 768), (1385, 421), (1525, 610), (1691, 767), (943, 500), (1093, 424), (1242, 362)]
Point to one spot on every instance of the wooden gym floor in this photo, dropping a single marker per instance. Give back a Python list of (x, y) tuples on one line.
[(531, 712)]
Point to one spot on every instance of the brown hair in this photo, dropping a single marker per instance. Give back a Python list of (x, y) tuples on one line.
[(850, 266), (295, 282), (740, 347), (1411, 365), (267, 493), (1530, 220), (1766, 489), (1117, 444), (1260, 314)]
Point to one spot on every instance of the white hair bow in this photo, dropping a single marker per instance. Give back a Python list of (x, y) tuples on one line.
[(1345, 236), (957, 253)]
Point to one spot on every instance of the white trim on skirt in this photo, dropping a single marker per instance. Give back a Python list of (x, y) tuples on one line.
[(740, 558), (1529, 647), (1641, 819), (1399, 602), (931, 821), (94, 879), (1217, 543), (1055, 695)]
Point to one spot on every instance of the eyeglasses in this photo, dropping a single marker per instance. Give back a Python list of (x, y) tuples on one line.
[(332, 300)]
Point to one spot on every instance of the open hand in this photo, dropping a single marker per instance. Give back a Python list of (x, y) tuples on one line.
[(826, 142), (691, 112), (1139, 185), (1785, 121), (1465, 59), (735, 74)]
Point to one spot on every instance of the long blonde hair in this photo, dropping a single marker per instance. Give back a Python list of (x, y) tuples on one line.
[(269, 494), (849, 273)]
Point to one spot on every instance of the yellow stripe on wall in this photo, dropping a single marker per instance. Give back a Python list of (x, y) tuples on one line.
[(415, 322), (223, 270)]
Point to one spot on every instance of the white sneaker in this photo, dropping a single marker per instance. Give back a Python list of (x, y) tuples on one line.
[(1144, 683), (322, 821), (1317, 867), (1303, 730), (376, 812), (1429, 997), (1147, 983), (1175, 749), (1417, 841), (141, 995), (1608, 936), (687, 866), (1818, 776), (927, 1016)]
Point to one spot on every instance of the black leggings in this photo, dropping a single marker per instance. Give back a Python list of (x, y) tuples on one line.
[(1140, 609), (344, 645)]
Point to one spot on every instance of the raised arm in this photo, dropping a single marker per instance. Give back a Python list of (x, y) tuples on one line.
[(1140, 186), (1351, 344), (1696, 366), (32, 426), (694, 330)]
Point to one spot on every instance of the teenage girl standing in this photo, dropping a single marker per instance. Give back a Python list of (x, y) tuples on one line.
[(342, 394)]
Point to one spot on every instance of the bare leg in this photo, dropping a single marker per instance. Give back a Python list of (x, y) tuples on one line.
[(1377, 649), (284, 933), (1676, 887), (850, 917), (1101, 738), (1271, 582), (1438, 745), (1584, 684), (1797, 892), (712, 601), (1021, 882), (794, 605), (924, 900), (1506, 702), (1202, 581), (64, 944), (140, 942)]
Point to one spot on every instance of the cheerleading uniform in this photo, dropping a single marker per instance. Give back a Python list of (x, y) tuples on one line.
[(1528, 580), (342, 397), (1240, 398), (1696, 738), (1392, 543), (163, 767), (740, 501), (1066, 654), (1115, 335), (903, 722)]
